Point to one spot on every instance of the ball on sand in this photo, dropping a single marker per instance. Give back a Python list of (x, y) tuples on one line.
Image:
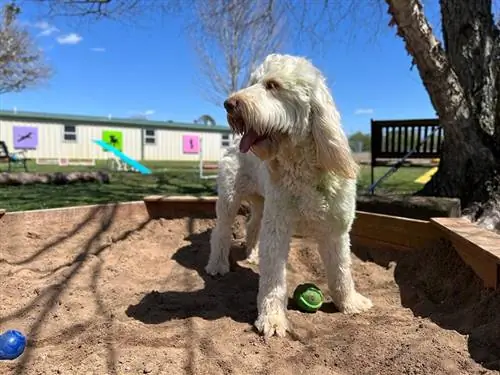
[(308, 297), (12, 344)]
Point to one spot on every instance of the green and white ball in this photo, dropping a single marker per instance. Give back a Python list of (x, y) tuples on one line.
[(308, 297)]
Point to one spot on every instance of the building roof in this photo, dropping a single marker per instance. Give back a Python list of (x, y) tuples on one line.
[(106, 121)]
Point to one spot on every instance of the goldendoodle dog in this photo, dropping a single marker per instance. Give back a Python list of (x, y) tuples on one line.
[(299, 177)]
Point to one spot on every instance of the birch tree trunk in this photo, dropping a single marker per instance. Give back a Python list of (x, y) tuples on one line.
[(462, 80)]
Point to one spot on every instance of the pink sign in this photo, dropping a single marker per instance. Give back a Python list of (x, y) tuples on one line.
[(191, 144)]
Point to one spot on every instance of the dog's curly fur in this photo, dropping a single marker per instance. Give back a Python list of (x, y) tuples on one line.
[(299, 177)]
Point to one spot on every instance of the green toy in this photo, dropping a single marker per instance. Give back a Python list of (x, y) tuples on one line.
[(308, 297)]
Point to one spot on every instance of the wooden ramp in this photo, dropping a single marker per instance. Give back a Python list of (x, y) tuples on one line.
[(478, 247)]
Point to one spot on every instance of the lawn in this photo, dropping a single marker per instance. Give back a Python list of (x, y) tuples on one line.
[(169, 178)]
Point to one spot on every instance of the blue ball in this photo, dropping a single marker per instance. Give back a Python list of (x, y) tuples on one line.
[(12, 344)]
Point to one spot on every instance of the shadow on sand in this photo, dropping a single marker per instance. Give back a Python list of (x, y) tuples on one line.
[(101, 219), (436, 284), (233, 295)]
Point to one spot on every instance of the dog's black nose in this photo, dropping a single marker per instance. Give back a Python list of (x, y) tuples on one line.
[(231, 104)]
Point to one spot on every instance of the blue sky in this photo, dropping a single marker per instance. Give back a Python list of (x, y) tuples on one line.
[(110, 68)]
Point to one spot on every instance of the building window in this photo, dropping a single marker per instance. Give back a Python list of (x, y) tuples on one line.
[(69, 134), (226, 140), (150, 137)]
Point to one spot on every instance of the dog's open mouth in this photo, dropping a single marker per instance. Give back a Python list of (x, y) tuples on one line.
[(249, 139), (249, 136)]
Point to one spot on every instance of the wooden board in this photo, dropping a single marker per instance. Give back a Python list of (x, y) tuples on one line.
[(175, 207), (179, 199), (396, 232), (478, 247), (385, 230), (80, 216), (413, 207)]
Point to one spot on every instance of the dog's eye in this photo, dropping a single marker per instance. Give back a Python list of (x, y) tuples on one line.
[(272, 85)]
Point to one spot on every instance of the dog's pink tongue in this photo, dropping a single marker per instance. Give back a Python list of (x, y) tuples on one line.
[(247, 141)]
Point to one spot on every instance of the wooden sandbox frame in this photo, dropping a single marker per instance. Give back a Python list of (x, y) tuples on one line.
[(478, 248)]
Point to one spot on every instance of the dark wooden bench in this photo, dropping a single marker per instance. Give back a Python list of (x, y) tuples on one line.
[(401, 140), (12, 158)]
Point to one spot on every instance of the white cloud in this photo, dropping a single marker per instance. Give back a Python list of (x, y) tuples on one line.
[(71, 38), (98, 49), (46, 28), (42, 25), (364, 111), (142, 114)]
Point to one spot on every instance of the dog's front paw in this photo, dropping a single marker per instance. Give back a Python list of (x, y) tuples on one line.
[(217, 268), (355, 304), (273, 323)]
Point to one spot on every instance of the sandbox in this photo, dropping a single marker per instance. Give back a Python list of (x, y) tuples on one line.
[(120, 289)]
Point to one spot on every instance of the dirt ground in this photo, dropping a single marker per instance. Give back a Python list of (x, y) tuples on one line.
[(128, 298)]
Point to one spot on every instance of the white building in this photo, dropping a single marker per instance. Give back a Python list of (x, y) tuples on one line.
[(52, 136)]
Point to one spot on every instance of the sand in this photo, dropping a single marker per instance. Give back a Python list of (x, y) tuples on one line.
[(132, 298)]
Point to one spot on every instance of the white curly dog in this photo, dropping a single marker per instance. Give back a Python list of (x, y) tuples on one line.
[(299, 178)]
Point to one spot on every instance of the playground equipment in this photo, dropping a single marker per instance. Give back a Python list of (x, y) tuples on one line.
[(202, 166), (64, 162), (426, 177), (121, 160)]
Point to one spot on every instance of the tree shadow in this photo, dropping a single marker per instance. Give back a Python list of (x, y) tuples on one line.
[(49, 297), (435, 283), (233, 295)]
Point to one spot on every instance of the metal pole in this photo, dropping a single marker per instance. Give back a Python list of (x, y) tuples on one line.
[(396, 166)]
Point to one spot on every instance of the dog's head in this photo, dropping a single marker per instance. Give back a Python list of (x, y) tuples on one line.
[(287, 98)]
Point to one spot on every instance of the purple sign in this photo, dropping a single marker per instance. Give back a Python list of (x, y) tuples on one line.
[(25, 137)]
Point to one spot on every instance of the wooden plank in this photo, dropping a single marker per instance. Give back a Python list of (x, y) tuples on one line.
[(467, 232), (409, 123), (176, 207), (422, 208), (179, 198), (376, 245), (104, 214), (385, 230), (398, 231), (478, 247)]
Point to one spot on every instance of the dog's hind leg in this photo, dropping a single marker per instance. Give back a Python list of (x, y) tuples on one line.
[(335, 252), (253, 229), (227, 207)]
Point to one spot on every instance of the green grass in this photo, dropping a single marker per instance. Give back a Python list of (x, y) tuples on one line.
[(169, 178)]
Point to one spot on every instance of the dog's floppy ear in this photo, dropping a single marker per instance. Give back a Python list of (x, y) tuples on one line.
[(333, 151)]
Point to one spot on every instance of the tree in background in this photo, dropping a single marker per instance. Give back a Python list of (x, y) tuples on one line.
[(362, 139), (206, 120), (230, 38), (461, 74), (462, 78), (21, 62)]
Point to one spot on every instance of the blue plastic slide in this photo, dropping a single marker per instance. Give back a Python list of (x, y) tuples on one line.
[(127, 160)]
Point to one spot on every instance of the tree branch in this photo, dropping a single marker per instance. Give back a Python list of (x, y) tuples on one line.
[(21, 62), (439, 78), (230, 38)]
